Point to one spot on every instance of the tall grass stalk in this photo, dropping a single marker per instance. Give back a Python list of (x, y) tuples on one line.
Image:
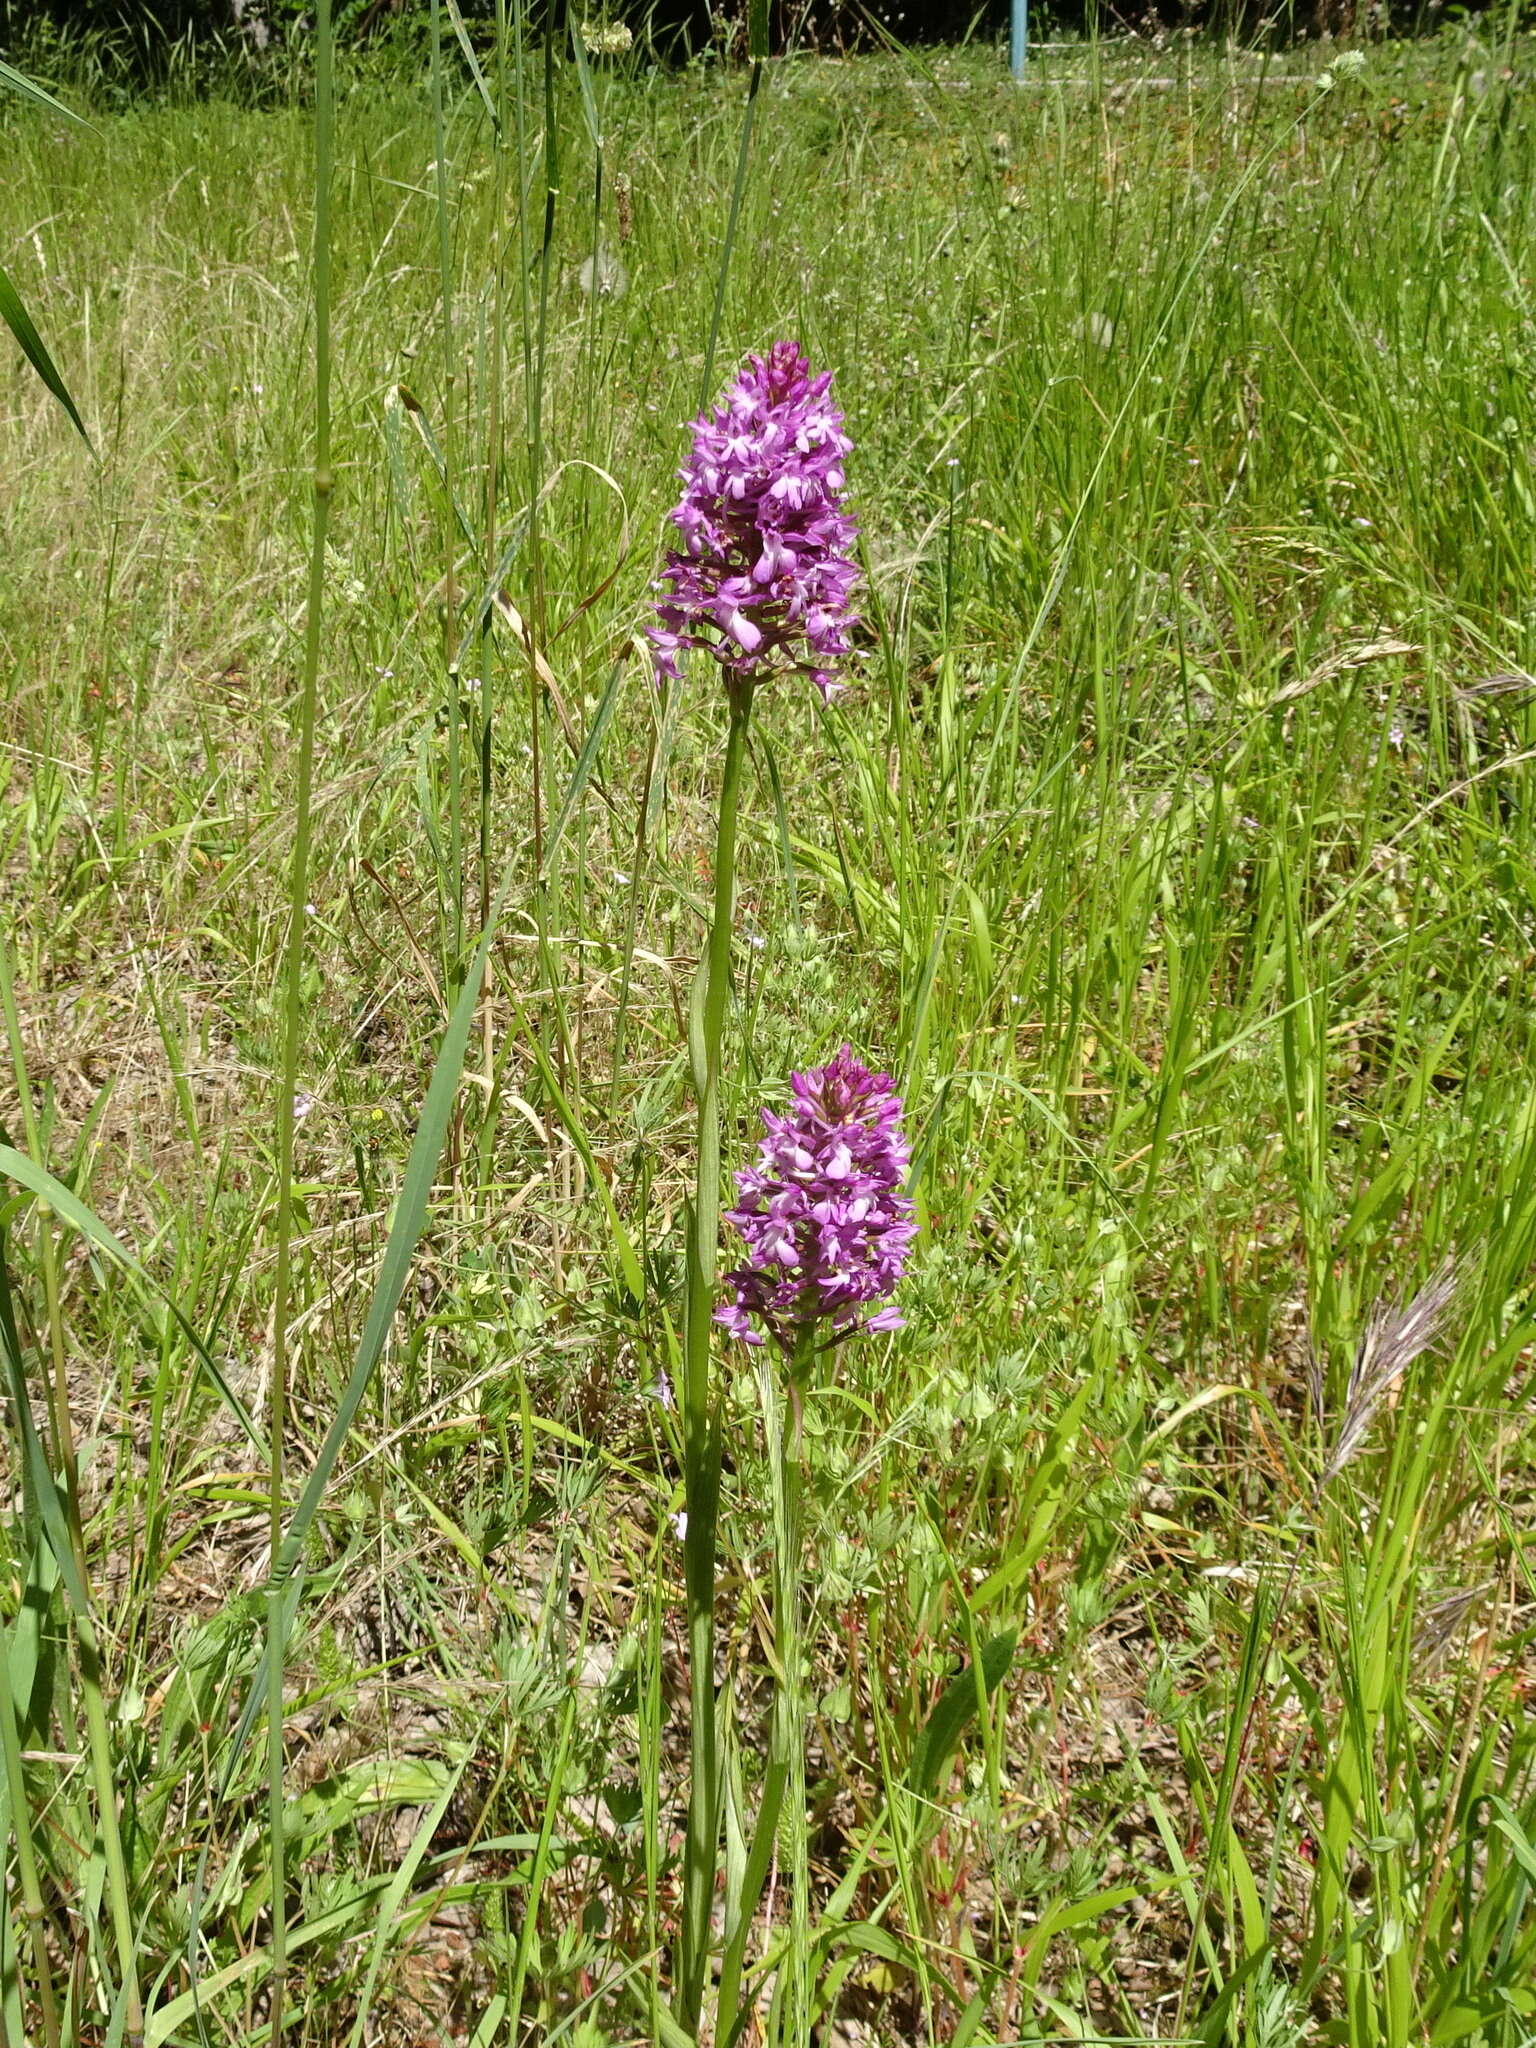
[(451, 537), (488, 658), (296, 953)]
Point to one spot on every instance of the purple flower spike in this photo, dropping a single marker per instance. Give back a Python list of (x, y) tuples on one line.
[(825, 1225), (763, 578)]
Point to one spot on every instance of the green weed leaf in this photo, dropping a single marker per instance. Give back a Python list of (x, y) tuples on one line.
[(955, 1709)]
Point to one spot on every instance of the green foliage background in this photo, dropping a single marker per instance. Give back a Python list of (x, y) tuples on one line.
[(1172, 846)]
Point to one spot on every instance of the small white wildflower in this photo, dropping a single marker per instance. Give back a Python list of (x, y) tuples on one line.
[(251, 23), (1349, 63), (680, 1525), (303, 1103), (606, 38), (603, 274)]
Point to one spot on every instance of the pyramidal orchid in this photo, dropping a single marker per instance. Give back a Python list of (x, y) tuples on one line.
[(826, 1227), (761, 583), (763, 578)]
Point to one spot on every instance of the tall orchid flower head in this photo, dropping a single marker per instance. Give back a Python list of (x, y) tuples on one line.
[(763, 577), (825, 1225)]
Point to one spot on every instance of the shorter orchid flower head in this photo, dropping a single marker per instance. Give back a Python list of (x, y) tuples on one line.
[(825, 1225)]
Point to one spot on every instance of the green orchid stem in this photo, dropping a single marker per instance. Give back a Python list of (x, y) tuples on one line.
[(293, 1004), (699, 1408), (784, 1433)]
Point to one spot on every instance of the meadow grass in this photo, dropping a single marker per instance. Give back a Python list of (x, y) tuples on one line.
[(1166, 1643)]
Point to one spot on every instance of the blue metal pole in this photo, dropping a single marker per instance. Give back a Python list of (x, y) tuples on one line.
[(1018, 37)]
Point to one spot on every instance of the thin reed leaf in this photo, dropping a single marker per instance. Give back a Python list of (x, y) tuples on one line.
[(17, 318), (14, 81)]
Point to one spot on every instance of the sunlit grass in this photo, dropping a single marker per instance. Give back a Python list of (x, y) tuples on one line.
[(1172, 848)]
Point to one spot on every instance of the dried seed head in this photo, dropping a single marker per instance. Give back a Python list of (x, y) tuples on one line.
[(1395, 1335), (1440, 1624), (1507, 683), (1315, 1381)]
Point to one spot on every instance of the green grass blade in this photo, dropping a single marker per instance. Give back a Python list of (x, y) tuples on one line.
[(399, 1885), (17, 318), (584, 81), (592, 746), (11, 80), (474, 66), (399, 1251), (37, 1474), (66, 1204), (629, 1265), (732, 221)]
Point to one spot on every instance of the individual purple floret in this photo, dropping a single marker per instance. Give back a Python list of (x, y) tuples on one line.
[(766, 568), (825, 1224)]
